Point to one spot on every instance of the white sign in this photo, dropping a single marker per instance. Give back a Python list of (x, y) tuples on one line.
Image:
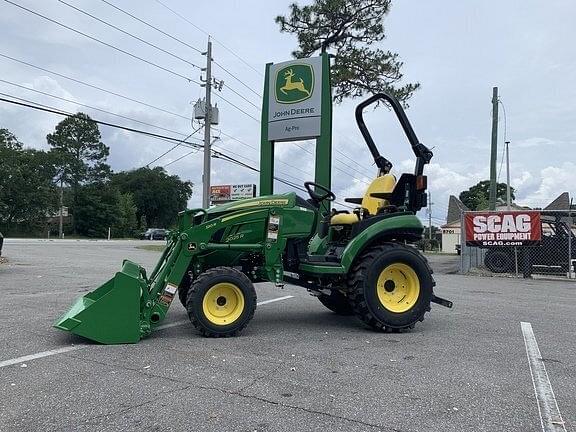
[(242, 191), (295, 99)]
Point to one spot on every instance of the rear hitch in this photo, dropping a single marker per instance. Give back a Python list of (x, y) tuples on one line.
[(441, 301)]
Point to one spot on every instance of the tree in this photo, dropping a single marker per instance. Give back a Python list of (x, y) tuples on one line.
[(96, 210), (8, 140), (349, 28), (27, 192), (81, 155), (158, 197), (478, 196), (127, 220), (77, 139)]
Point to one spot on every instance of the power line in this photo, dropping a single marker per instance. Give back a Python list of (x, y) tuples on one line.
[(352, 160), (242, 164), (167, 52), (254, 148), (242, 97), (130, 34), (505, 132), (256, 163), (207, 34), (237, 107), (173, 148), (180, 158), (84, 83), (236, 78), (281, 180), (92, 107), (152, 27), (41, 107), (335, 167), (104, 43)]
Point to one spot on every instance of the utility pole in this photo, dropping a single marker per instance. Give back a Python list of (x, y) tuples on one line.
[(493, 149), (508, 200), (60, 222), (430, 219), (207, 122)]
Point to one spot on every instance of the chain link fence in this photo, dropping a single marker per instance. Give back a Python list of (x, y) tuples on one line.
[(553, 256)]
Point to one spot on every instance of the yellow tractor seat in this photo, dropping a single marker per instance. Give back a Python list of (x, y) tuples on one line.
[(344, 219), (382, 184)]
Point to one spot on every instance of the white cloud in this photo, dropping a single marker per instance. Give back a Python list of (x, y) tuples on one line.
[(553, 180), (541, 143)]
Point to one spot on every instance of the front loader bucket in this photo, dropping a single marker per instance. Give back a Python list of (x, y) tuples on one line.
[(111, 313)]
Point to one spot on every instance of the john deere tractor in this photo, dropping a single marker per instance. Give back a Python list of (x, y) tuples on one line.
[(357, 262)]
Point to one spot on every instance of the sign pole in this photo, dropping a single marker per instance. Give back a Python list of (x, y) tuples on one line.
[(266, 147), (323, 165)]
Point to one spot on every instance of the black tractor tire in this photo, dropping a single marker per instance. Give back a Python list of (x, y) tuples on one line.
[(364, 292), (183, 289), (499, 261), (337, 303), (227, 310)]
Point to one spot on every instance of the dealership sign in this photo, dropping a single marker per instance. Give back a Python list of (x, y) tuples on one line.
[(505, 228), (295, 96), (225, 193)]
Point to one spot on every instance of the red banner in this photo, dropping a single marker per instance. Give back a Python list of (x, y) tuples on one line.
[(220, 193), (503, 228)]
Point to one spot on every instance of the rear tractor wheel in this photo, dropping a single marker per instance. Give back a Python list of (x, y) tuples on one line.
[(391, 287), (499, 261), (221, 302), (337, 303)]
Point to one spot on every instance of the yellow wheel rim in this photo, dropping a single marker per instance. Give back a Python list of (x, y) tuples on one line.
[(223, 303), (398, 287)]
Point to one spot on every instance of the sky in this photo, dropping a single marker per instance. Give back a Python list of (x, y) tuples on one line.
[(456, 50)]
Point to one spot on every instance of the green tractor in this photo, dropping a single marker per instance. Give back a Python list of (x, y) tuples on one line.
[(357, 262)]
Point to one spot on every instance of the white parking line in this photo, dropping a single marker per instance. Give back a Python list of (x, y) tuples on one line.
[(39, 355), (182, 322), (274, 300), (63, 350), (550, 416)]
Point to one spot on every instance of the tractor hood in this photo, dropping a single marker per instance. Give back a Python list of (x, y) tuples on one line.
[(283, 200)]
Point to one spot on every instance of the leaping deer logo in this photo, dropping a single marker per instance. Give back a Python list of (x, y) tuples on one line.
[(290, 85)]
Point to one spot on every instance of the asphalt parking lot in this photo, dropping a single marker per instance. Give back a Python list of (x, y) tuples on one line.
[(297, 367)]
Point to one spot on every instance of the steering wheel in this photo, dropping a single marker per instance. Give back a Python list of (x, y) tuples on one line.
[(329, 195)]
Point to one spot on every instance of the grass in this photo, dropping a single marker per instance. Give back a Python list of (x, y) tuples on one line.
[(153, 248)]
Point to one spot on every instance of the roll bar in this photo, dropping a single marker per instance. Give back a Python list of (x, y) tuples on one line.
[(423, 153)]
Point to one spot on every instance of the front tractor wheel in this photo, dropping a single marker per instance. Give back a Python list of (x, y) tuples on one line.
[(184, 287), (221, 302), (391, 287)]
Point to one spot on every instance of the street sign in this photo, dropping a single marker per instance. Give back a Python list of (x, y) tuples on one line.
[(503, 228), (295, 98)]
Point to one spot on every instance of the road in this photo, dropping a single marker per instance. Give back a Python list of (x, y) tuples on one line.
[(297, 367)]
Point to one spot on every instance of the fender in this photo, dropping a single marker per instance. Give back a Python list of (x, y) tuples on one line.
[(394, 227)]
